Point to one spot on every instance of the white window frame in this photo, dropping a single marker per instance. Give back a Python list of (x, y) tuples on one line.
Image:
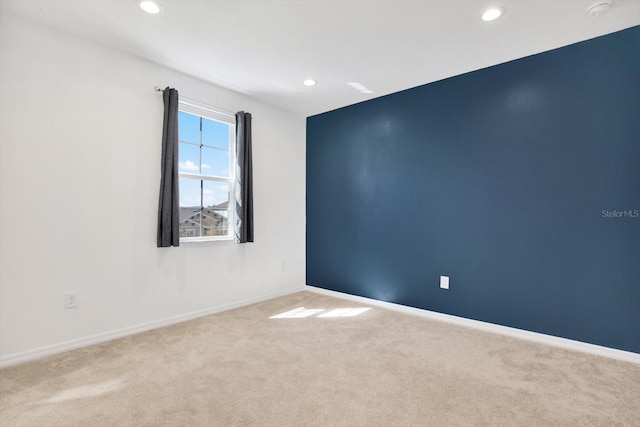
[(208, 112)]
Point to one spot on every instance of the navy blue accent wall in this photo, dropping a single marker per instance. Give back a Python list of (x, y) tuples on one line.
[(497, 178)]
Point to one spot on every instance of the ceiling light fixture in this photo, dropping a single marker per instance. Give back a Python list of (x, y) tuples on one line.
[(310, 82), (150, 6), (599, 8), (493, 14)]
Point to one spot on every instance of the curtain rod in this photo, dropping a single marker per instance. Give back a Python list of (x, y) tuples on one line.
[(199, 104)]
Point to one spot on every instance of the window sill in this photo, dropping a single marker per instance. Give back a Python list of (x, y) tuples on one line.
[(206, 239)]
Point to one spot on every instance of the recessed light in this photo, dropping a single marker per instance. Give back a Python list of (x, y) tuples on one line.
[(599, 8), (310, 82), (492, 14), (150, 6)]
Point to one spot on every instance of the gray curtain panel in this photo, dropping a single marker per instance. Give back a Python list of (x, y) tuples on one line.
[(244, 179), (168, 222)]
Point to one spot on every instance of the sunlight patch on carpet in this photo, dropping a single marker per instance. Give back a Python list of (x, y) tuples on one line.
[(297, 313), (86, 391), (301, 312), (345, 312)]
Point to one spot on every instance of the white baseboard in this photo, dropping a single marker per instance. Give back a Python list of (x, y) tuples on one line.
[(565, 343), (37, 353)]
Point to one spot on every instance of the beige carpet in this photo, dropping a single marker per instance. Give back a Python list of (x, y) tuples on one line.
[(380, 368)]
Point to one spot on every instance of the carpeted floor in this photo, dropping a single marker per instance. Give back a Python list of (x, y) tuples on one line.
[(379, 368)]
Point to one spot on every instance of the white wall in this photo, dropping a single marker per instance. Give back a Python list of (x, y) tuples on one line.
[(80, 132)]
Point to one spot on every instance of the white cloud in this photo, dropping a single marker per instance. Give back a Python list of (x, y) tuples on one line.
[(191, 166), (187, 166), (213, 193)]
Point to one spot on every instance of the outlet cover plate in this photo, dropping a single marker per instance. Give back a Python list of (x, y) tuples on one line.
[(444, 282), (71, 300)]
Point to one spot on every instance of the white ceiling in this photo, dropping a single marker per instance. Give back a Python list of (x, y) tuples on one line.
[(267, 48)]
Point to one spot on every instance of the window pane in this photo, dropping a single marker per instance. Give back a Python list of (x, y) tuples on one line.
[(215, 194), (189, 222), (215, 162), (215, 214), (215, 222), (189, 158), (215, 134), (189, 207), (188, 127), (190, 192)]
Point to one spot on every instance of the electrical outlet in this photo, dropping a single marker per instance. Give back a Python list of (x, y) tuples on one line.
[(71, 300), (444, 282)]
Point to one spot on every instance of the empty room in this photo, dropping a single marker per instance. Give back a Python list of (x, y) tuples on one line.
[(319, 213)]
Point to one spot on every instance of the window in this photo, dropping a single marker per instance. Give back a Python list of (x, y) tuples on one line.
[(206, 166)]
